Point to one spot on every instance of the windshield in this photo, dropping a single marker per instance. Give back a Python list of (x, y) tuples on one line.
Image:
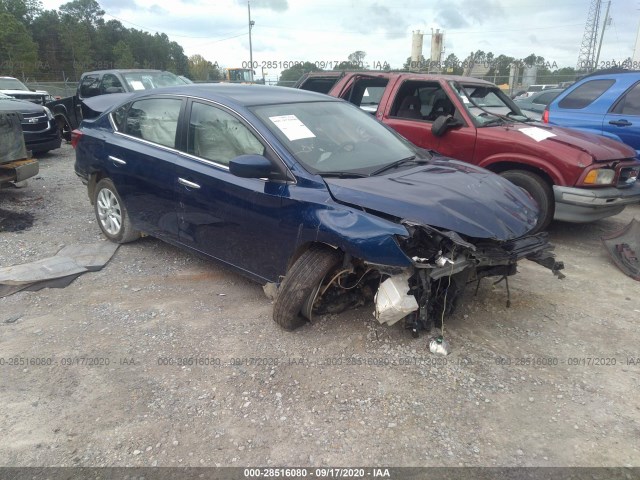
[(149, 80), (12, 84), (483, 100), (334, 137)]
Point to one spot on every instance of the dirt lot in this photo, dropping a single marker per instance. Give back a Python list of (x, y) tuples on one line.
[(547, 382)]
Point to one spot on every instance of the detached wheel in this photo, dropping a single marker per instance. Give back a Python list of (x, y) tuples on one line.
[(541, 192), (301, 284), (111, 213)]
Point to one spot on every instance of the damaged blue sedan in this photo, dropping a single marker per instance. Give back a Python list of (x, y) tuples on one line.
[(305, 191)]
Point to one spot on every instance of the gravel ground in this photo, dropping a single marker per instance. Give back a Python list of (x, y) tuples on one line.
[(342, 391)]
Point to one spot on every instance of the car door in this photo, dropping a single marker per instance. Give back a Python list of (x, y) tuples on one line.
[(236, 220), (623, 120), (141, 162), (416, 106)]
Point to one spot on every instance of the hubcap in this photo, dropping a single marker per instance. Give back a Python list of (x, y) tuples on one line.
[(109, 212)]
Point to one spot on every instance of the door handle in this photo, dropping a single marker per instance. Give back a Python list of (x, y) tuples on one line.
[(620, 123), (187, 183), (117, 160)]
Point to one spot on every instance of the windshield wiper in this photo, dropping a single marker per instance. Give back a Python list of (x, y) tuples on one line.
[(342, 174), (494, 121), (397, 163)]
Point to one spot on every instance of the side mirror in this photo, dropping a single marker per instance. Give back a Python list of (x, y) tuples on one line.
[(253, 166), (444, 123)]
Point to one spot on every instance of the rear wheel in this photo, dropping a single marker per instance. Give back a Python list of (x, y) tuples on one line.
[(111, 213), (541, 192), (301, 284)]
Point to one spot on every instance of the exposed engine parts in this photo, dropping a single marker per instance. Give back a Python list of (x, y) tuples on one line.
[(443, 264)]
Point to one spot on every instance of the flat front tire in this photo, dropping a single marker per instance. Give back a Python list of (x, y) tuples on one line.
[(302, 281), (111, 213), (541, 192)]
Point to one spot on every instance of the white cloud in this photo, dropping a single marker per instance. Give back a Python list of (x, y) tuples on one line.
[(330, 30)]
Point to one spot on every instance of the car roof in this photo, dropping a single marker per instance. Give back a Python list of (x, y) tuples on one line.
[(123, 70), (243, 95), (610, 73), (411, 75)]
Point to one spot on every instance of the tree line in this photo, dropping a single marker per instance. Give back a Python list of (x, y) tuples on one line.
[(61, 44)]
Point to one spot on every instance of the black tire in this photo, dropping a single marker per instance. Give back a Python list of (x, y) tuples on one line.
[(111, 213), (64, 128), (300, 283), (541, 192)]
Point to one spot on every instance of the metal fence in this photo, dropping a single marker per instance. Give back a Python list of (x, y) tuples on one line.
[(57, 89)]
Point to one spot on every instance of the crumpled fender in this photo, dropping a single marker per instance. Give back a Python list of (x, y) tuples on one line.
[(362, 235)]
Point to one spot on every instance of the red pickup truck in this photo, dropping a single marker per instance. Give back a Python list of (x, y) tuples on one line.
[(574, 176)]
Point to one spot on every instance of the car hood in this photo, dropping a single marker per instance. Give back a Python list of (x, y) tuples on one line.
[(444, 194), (602, 149), (22, 106)]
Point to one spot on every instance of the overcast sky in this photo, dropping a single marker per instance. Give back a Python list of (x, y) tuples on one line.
[(329, 30)]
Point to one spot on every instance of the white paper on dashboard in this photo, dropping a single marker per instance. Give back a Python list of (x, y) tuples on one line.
[(538, 134), (136, 84), (292, 127)]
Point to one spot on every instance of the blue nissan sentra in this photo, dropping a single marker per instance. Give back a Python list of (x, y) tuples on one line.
[(306, 191)]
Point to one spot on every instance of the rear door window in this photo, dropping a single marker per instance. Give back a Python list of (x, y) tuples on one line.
[(154, 120), (585, 94)]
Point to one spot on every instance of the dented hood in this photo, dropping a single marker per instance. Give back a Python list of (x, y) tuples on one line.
[(445, 194)]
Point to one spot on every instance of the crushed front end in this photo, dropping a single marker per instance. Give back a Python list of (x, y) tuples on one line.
[(444, 263), (441, 264)]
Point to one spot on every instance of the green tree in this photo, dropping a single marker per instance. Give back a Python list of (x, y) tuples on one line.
[(452, 65), (25, 11), (18, 52), (355, 61), (202, 70), (291, 75), (84, 11), (123, 58), (415, 66), (54, 59)]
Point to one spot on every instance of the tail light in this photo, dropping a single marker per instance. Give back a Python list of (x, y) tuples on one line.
[(545, 115), (76, 135)]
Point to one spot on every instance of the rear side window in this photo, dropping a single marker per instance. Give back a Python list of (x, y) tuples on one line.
[(629, 104), (154, 120), (585, 94)]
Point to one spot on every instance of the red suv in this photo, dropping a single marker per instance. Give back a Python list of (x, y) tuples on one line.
[(574, 176)]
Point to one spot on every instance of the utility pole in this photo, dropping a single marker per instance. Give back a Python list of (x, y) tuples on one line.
[(251, 24), (604, 27)]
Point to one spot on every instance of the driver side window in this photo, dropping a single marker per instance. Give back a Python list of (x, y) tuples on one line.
[(422, 101), (218, 136)]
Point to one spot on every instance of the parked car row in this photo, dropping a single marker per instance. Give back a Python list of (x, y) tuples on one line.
[(311, 193), (16, 89)]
